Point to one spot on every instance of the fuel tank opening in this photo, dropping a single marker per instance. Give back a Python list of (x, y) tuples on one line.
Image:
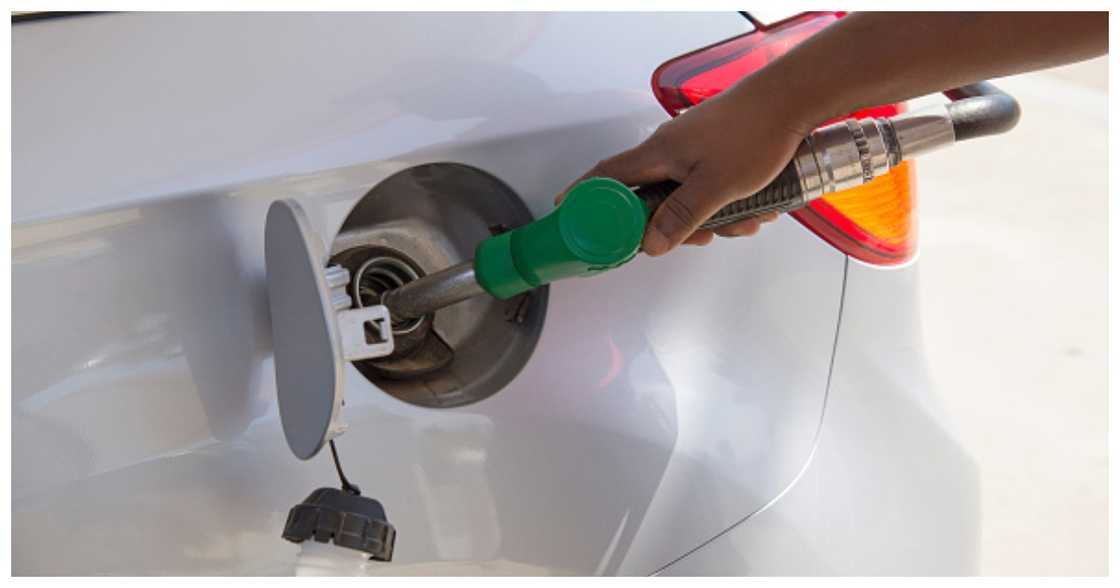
[(417, 222), (418, 349), (375, 271)]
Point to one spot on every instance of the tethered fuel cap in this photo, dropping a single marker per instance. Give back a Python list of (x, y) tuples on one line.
[(347, 520)]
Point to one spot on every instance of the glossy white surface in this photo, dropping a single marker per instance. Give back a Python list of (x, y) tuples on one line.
[(890, 489), (665, 400), (122, 108)]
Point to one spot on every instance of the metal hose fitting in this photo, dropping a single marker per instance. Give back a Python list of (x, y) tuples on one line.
[(842, 155)]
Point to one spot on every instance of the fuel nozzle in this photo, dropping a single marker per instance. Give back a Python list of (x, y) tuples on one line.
[(599, 225)]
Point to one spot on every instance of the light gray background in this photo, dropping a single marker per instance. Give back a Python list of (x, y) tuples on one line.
[(1014, 284)]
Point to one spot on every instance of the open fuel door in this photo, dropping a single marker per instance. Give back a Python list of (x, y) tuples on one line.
[(314, 329)]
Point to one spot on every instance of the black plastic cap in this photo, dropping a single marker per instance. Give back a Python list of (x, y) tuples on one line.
[(347, 520)]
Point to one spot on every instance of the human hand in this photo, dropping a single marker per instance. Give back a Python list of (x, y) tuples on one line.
[(724, 149)]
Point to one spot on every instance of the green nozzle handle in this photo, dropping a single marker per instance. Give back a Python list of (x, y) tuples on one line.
[(598, 227)]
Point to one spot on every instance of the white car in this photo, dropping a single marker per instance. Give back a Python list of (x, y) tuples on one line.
[(756, 406)]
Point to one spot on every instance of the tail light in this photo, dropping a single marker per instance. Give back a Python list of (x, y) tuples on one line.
[(874, 222)]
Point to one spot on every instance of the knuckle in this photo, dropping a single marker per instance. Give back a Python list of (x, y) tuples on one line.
[(600, 168), (664, 142), (659, 139), (665, 128)]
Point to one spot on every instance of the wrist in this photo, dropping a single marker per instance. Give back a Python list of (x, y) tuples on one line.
[(791, 94)]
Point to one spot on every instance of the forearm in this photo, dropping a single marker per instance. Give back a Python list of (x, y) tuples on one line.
[(877, 58), (735, 143)]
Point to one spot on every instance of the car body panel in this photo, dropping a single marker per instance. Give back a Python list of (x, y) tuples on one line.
[(665, 400), (890, 489)]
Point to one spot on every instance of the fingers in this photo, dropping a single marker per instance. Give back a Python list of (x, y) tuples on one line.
[(748, 227), (679, 216), (745, 228), (700, 237), (643, 164)]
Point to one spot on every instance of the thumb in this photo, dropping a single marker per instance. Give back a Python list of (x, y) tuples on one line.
[(681, 213)]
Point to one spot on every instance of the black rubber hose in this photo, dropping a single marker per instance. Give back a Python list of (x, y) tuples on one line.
[(782, 194), (981, 109)]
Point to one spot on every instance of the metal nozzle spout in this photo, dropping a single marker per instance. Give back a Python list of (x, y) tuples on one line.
[(433, 292)]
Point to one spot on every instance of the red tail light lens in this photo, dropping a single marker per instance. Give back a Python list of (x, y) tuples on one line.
[(874, 222)]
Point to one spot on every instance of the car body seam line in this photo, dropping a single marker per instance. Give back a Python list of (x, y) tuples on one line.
[(812, 450)]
